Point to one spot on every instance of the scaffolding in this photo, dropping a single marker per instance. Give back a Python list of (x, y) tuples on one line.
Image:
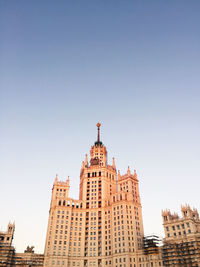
[(183, 254), (151, 244), (6, 255)]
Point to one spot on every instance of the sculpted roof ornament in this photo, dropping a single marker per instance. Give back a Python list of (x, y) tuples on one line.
[(86, 159), (56, 179), (114, 166), (98, 124), (98, 142), (128, 171), (29, 249), (67, 181)]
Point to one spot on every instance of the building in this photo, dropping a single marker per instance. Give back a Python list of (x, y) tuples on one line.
[(8, 256), (6, 248), (182, 238), (104, 227), (28, 259)]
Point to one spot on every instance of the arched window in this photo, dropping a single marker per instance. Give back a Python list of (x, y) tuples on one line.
[(64, 203), (59, 203)]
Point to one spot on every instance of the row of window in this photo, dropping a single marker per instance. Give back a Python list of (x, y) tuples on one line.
[(178, 226), (68, 203), (59, 262), (94, 174), (179, 233)]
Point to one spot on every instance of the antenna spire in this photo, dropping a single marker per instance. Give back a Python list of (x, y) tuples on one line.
[(98, 133)]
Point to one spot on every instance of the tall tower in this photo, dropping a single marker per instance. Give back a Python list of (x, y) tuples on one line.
[(104, 227)]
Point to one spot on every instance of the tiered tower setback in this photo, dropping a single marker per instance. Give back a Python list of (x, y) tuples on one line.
[(104, 227)]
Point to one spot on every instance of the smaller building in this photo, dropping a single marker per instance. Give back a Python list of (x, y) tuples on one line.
[(8, 256), (181, 245), (28, 258), (6, 248)]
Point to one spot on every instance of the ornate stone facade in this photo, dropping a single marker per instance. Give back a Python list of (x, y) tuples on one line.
[(104, 227), (8, 256), (6, 248), (28, 258), (182, 238)]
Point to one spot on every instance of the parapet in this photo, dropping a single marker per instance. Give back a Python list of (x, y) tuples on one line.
[(187, 213), (127, 175)]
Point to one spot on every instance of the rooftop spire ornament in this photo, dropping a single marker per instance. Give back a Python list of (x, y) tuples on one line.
[(98, 134)]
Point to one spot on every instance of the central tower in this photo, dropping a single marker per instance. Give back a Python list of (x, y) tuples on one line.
[(98, 173), (104, 227)]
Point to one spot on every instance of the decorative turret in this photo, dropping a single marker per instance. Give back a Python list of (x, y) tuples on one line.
[(86, 160), (128, 171), (113, 164), (187, 212), (168, 216), (11, 227), (56, 179), (67, 181)]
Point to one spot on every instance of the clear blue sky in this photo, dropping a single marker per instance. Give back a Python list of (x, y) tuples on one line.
[(65, 65)]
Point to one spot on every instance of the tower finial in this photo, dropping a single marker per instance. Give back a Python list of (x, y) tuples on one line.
[(114, 163), (98, 134), (56, 179), (86, 160)]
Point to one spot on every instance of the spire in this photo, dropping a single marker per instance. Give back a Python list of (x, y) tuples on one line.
[(114, 163), (128, 171), (98, 135), (86, 160), (83, 164), (56, 179), (98, 142)]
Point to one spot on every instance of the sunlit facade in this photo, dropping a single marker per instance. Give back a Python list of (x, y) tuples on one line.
[(182, 238), (104, 227)]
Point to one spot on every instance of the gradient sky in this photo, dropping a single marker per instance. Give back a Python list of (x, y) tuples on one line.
[(65, 65)]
